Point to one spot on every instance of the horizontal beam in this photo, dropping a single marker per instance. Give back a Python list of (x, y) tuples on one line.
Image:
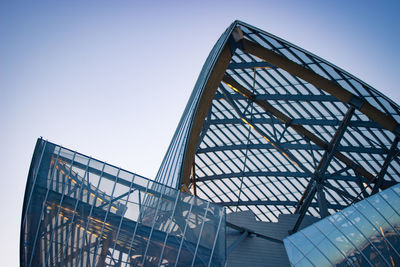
[(319, 122), (271, 174), (288, 97), (369, 150), (275, 203), (331, 87)]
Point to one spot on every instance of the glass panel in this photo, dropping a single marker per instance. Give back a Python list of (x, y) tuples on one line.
[(364, 234), (317, 258), (86, 212), (292, 251)]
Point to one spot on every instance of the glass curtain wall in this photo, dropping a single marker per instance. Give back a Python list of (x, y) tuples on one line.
[(364, 234), (79, 211)]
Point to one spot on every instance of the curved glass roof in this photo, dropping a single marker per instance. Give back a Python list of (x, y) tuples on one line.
[(275, 129)]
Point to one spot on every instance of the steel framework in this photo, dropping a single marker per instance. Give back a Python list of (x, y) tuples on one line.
[(79, 211), (275, 129)]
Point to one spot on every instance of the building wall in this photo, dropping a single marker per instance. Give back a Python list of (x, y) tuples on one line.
[(255, 251)]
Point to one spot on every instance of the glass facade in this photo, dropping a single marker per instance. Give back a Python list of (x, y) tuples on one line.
[(79, 211), (269, 129), (285, 132), (364, 234)]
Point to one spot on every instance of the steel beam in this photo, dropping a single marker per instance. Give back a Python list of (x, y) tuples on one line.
[(236, 243), (300, 129), (270, 174), (341, 192), (321, 169), (276, 145), (312, 187), (334, 143), (109, 202), (274, 203), (369, 150), (326, 159), (322, 202), (393, 152), (288, 97), (320, 122), (206, 126)]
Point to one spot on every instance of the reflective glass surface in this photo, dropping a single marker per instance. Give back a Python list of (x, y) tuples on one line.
[(274, 132), (364, 234), (79, 211)]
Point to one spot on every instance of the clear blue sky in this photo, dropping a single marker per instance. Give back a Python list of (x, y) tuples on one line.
[(111, 78)]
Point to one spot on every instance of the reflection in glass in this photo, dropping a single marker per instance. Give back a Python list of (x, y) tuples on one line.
[(364, 234), (82, 212)]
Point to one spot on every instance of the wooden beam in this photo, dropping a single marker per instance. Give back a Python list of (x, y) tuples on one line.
[(385, 120), (210, 89), (297, 127)]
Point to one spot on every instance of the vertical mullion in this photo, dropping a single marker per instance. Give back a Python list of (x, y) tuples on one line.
[(169, 227), (216, 236), (137, 223), (78, 193), (159, 204), (106, 216), (122, 217), (184, 232), (201, 231), (90, 213)]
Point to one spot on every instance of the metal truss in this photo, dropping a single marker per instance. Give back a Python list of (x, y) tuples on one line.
[(79, 211)]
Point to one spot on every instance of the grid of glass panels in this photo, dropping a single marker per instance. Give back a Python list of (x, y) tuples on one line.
[(79, 211), (364, 234), (266, 158)]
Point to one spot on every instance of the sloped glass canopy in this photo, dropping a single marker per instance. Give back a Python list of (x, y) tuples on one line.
[(274, 129)]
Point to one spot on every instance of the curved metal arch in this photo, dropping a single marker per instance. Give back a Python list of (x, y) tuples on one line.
[(259, 102)]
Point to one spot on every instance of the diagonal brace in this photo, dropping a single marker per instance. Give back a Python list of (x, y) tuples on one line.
[(393, 152), (266, 106)]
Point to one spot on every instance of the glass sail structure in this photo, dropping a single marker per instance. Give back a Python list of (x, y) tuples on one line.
[(273, 139), (79, 211), (364, 234), (274, 129)]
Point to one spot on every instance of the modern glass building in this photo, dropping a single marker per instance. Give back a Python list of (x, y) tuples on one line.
[(273, 139), (79, 211), (364, 234)]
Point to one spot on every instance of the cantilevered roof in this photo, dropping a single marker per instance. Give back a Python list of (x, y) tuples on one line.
[(275, 129)]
